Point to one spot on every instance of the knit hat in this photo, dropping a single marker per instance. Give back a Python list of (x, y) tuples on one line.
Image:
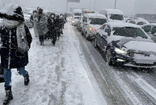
[(19, 11)]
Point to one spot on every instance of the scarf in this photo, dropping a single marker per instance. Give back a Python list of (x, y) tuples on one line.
[(10, 23), (21, 38)]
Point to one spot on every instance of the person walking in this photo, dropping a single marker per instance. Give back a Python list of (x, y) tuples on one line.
[(16, 40), (42, 25), (51, 28)]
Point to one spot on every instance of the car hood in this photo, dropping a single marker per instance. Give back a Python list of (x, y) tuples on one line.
[(139, 45), (95, 26)]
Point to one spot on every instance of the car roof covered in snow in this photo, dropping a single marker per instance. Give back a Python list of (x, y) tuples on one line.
[(95, 15), (121, 24), (113, 11)]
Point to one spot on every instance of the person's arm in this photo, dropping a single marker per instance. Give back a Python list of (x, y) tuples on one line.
[(12, 17)]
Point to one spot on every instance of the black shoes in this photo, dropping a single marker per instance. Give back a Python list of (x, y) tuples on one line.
[(8, 97), (26, 80)]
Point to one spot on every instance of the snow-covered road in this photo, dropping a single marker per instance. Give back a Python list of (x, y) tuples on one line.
[(59, 75), (75, 73)]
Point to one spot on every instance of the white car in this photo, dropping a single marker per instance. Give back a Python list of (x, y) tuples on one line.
[(138, 21), (150, 29), (74, 20), (90, 23), (113, 14)]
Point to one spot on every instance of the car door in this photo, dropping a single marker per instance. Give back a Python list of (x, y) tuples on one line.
[(99, 34), (104, 35)]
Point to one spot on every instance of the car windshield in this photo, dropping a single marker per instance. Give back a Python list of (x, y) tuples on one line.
[(77, 14), (97, 21), (116, 17), (76, 17), (129, 32)]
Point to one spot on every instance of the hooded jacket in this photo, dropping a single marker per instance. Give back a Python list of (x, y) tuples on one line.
[(11, 55)]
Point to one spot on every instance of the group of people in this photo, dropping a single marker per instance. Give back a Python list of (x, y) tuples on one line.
[(16, 41), (47, 25)]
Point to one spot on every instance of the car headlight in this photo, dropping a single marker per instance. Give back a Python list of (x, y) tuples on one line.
[(73, 21), (120, 51)]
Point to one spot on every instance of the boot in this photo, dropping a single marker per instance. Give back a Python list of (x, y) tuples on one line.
[(26, 79), (8, 97)]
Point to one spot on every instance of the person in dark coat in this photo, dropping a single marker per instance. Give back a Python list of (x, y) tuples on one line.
[(58, 26), (16, 40), (51, 28)]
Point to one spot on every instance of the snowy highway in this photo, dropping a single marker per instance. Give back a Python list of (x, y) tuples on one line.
[(75, 73), (120, 85)]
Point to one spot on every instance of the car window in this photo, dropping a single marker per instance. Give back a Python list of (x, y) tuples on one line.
[(84, 19), (147, 28), (133, 22), (129, 32), (140, 23), (97, 21), (76, 17), (153, 30), (102, 27), (116, 17)]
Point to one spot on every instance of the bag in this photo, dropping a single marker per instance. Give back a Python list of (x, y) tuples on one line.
[(1, 74)]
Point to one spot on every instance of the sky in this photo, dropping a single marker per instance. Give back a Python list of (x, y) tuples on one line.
[(129, 7)]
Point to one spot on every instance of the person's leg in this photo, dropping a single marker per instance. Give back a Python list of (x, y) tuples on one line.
[(7, 78), (22, 71), (25, 74)]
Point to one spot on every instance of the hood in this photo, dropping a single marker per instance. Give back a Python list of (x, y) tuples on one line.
[(95, 26), (139, 45)]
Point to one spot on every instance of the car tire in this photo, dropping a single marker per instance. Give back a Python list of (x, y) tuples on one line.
[(108, 57), (82, 33)]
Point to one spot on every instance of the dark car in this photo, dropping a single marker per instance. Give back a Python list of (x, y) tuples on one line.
[(126, 44)]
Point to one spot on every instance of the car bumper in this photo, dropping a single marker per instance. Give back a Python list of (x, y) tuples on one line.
[(128, 61)]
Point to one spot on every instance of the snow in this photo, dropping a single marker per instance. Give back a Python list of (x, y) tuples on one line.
[(141, 46), (95, 15), (58, 75)]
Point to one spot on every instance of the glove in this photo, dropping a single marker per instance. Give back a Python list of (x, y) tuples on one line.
[(3, 15)]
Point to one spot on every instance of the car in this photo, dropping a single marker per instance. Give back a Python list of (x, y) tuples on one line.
[(74, 20), (150, 29), (90, 23), (126, 44), (138, 21), (113, 14)]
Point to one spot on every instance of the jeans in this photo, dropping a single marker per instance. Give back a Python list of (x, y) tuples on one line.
[(41, 39), (7, 75)]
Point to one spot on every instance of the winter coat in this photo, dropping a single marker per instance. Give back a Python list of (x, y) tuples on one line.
[(11, 56), (42, 25), (51, 25)]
